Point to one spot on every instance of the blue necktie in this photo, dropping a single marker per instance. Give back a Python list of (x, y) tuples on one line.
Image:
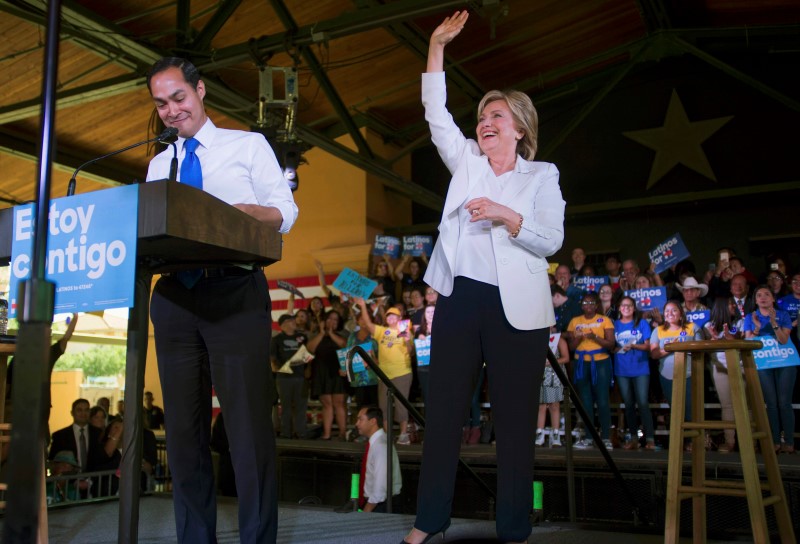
[(191, 172)]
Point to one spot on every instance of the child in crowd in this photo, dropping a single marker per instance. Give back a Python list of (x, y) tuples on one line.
[(551, 394)]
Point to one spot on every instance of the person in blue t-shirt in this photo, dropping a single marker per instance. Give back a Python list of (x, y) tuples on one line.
[(776, 383), (632, 369), (790, 304)]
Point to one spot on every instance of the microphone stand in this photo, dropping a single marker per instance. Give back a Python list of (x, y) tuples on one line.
[(173, 165), (168, 134)]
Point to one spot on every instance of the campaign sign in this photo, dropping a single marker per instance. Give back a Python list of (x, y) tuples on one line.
[(286, 286), (417, 246), (91, 249), (698, 317), (554, 338), (775, 354), (354, 284), (670, 251), (590, 284), (362, 376), (386, 245), (648, 298), (423, 346)]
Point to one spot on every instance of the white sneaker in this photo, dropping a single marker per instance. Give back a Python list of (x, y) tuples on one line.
[(584, 444), (540, 436), (607, 443), (555, 438), (403, 440)]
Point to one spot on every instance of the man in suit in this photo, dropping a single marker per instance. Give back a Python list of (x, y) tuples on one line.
[(80, 438), (209, 324)]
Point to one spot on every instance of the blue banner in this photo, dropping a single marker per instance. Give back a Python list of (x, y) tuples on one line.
[(354, 284), (669, 252), (423, 346), (386, 245), (698, 317), (91, 249), (590, 284), (775, 354), (417, 246), (649, 298)]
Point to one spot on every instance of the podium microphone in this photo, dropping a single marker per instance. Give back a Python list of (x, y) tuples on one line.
[(173, 165), (167, 136)]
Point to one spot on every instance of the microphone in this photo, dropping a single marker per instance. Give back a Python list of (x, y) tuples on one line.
[(173, 165), (167, 136)]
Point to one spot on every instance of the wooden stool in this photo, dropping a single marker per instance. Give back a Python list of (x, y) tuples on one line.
[(742, 391)]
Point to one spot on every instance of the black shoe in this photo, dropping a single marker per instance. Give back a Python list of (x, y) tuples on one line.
[(433, 535), (350, 506)]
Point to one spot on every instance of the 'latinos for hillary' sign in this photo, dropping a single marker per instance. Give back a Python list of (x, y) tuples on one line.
[(648, 298), (91, 249), (590, 284), (417, 246), (669, 252), (386, 245), (698, 317)]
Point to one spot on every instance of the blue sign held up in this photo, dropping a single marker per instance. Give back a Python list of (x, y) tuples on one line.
[(354, 284), (386, 245), (648, 298), (417, 246), (423, 346), (669, 252), (362, 376), (91, 249), (774, 354), (590, 284), (698, 317)]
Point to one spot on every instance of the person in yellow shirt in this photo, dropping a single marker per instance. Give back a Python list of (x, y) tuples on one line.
[(591, 336), (395, 345)]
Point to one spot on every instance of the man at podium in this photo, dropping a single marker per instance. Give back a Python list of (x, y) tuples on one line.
[(212, 325)]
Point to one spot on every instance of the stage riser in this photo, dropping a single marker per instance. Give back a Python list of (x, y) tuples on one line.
[(598, 497)]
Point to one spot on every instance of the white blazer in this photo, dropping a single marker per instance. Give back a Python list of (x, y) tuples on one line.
[(532, 190)]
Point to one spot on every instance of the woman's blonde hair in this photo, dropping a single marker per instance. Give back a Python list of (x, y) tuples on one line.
[(525, 118)]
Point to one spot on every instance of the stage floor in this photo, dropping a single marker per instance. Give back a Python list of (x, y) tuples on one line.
[(97, 523)]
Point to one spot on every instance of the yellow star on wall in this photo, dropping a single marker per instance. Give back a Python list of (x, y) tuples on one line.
[(678, 141)]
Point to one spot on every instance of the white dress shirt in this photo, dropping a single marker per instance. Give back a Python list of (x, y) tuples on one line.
[(238, 167), (375, 477)]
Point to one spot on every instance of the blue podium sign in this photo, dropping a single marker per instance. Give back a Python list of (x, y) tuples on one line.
[(91, 249)]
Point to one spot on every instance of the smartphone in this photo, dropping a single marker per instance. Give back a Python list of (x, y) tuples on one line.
[(723, 256), (773, 266), (712, 267)]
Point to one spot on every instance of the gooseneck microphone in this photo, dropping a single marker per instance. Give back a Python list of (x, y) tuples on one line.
[(173, 165), (167, 136)]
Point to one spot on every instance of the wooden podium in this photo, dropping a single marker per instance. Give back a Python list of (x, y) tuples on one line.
[(179, 227)]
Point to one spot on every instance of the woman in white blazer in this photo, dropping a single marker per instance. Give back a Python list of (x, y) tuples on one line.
[(503, 216)]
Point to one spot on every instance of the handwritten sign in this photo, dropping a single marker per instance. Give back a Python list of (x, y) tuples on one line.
[(286, 286), (590, 284), (354, 284), (91, 249), (386, 245), (423, 346), (417, 246), (648, 298), (669, 252), (698, 317), (775, 354)]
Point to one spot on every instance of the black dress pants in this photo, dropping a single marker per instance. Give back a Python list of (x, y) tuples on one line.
[(470, 327), (217, 333)]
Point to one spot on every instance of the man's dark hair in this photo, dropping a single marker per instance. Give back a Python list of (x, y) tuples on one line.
[(373, 412), (190, 72), (79, 401)]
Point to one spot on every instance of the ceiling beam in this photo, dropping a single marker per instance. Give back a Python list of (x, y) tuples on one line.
[(654, 15), (202, 41), (73, 97)]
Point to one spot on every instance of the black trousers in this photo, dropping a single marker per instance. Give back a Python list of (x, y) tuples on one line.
[(217, 332), (470, 327)]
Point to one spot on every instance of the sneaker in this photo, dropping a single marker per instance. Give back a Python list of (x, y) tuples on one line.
[(555, 438), (403, 440), (584, 444), (539, 437), (608, 444)]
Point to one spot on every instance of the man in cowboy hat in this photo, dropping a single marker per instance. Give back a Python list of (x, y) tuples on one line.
[(692, 293)]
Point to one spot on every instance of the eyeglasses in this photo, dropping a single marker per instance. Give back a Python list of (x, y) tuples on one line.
[(588, 303)]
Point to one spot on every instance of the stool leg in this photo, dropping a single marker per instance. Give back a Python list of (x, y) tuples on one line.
[(698, 447), (672, 525), (769, 457)]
